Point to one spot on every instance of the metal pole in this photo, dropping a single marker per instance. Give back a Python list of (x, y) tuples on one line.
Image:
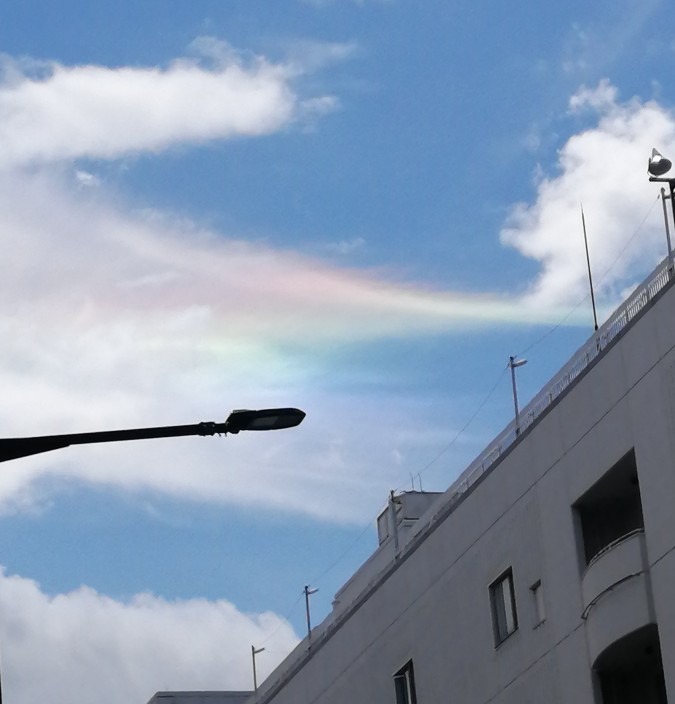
[(254, 652), (308, 591), (513, 363), (671, 184), (515, 390), (588, 263), (394, 520), (671, 188)]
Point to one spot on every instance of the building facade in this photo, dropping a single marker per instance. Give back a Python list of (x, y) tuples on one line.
[(546, 573)]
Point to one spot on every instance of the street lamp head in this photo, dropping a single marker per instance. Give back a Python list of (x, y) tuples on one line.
[(266, 419), (658, 164)]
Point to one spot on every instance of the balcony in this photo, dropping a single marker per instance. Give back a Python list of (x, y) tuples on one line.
[(615, 592)]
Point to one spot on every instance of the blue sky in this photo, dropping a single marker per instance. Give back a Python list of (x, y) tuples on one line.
[(360, 208)]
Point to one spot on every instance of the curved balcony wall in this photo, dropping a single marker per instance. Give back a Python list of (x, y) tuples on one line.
[(615, 592)]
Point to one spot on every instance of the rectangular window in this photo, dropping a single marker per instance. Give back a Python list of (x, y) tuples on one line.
[(404, 682), (503, 601), (539, 608)]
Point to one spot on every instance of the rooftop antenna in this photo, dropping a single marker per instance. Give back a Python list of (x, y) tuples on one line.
[(588, 263)]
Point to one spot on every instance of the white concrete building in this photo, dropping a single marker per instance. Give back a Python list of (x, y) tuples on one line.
[(546, 573)]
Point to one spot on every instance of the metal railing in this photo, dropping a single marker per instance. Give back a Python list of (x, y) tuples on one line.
[(594, 347)]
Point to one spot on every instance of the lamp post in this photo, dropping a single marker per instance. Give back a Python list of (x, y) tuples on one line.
[(266, 419), (255, 651), (657, 166), (308, 592), (513, 364)]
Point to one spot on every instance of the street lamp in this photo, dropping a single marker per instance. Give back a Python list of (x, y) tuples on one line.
[(657, 166), (514, 364), (266, 419)]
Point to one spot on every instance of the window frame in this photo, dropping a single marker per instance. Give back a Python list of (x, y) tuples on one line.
[(503, 607), (539, 603), (404, 684)]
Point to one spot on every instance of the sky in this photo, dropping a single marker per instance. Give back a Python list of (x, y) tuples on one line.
[(360, 208)]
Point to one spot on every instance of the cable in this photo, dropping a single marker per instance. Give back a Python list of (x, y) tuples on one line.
[(464, 427), (285, 621), (344, 553)]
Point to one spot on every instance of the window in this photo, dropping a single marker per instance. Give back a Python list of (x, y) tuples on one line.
[(539, 608), (404, 682), (503, 601)]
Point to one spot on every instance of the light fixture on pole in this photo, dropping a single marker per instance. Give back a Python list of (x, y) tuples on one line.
[(308, 592), (266, 419), (254, 652), (657, 166), (513, 363)]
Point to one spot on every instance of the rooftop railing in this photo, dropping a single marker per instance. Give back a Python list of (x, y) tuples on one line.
[(584, 357)]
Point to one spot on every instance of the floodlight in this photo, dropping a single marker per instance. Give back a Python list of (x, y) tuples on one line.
[(658, 164)]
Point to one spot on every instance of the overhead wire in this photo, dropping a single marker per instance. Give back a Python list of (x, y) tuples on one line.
[(284, 621), (460, 432)]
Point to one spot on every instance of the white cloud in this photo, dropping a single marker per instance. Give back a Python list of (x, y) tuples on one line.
[(309, 56), (603, 167), (87, 179), (83, 646), (601, 98), (122, 320), (67, 112)]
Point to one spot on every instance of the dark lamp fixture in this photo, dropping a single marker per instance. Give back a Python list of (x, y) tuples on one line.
[(658, 164), (269, 419), (266, 419)]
